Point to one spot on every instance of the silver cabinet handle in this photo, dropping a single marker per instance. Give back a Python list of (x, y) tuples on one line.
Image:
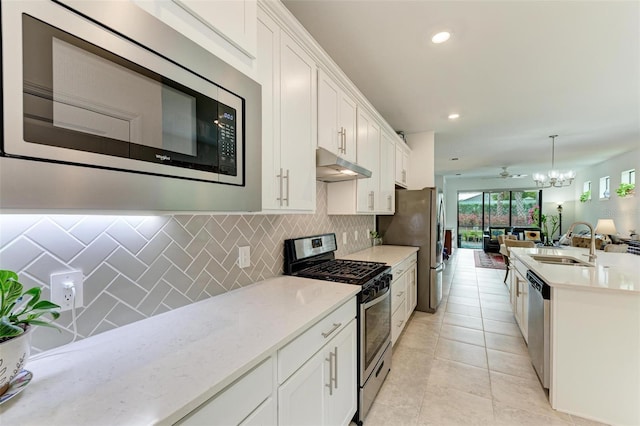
[(389, 201), (335, 368), (334, 328), (344, 140), (279, 176), (400, 271), (340, 140), (331, 372), (371, 200), (287, 178), (400, 323), (404, 176), (400, 294)]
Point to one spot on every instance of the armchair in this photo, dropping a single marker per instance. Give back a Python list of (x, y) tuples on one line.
[(490, 240)]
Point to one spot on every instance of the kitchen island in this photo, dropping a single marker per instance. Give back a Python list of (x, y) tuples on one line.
[(594, 333), (158, 370)]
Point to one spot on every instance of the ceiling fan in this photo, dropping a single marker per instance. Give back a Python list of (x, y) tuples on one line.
[(504, 174)]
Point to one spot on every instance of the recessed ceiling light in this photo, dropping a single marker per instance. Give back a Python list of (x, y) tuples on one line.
[(440, 37), (454, 116)]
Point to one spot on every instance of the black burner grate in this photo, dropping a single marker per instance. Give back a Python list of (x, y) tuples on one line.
[(346, 271)]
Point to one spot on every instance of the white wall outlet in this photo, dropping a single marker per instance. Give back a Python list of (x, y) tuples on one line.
[(62, 288), (368, 232), (355, 235), (244, 257), (344, 238)]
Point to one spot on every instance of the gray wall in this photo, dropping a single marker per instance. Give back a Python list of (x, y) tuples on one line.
[(139, 266)]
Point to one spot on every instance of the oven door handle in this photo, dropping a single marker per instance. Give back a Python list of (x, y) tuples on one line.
[(377, 300)]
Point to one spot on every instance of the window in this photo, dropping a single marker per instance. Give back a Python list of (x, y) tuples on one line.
[(604, 191), (628, 176), (477, 211)]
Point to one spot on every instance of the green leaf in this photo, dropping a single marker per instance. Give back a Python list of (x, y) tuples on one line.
[(44, 324), (9, 330), (45, 305)]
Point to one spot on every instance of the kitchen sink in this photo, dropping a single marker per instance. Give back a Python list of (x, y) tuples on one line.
[(560, 260)]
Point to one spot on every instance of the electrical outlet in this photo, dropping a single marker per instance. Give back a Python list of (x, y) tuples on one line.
[(344, 238), (355, 235), (244, 257), (62, 288)]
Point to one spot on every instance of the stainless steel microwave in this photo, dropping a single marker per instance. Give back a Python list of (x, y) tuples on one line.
[(109, 94)]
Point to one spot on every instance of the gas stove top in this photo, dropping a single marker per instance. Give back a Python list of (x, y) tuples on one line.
[(313, 257), (344, 271)]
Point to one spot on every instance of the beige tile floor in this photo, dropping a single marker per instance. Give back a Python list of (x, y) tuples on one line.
[(466, 364)]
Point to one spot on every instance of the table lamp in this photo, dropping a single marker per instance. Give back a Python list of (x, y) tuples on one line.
[(606, 227)]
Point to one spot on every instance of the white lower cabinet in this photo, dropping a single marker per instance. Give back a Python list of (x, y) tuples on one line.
[(519, 288), (323, 390), (246, 401), (403, 294)]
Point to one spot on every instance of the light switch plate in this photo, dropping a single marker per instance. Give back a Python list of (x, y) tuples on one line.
[(344, 238), (244, 256)]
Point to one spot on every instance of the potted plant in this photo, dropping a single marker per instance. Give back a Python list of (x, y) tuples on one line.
[(375, 238), (625, 189), (19, 313), (585, 196)]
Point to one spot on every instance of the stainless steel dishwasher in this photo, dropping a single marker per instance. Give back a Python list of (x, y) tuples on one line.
[(539, 326)]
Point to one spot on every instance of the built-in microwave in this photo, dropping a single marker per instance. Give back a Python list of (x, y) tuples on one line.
[(112, 90)]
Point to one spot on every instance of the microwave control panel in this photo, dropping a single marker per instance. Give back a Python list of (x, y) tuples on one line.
[(227, 141)]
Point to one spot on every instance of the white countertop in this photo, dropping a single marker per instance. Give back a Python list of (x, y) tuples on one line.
[(611, 271), (391, 255), (159, 369)]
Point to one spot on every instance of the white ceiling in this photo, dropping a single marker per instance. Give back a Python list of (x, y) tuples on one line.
[(516, 72)]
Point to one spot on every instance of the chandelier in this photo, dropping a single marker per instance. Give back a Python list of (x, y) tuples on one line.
[(554, 178)]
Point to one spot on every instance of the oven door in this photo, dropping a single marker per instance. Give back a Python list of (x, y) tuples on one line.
[(375, 323)]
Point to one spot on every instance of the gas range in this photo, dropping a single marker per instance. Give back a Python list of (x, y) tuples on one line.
[(314, 257)]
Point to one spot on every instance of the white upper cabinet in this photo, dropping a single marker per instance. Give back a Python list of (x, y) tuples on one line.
[(385, 203), (336, 118), (402, 162), (226, 28), (234, 20), (289, 104), (366, 196), (368, 146)]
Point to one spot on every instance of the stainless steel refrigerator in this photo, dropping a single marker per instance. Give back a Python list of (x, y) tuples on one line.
[(419, 221)]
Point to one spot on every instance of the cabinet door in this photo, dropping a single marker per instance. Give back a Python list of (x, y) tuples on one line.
[(368, 139), (398, 322), (301, 399), (235, 21), (323, 391), (298, 118), (386, 200), (347, 113), (269, 78), (402, 159), (329, 135), (412, 289), (342, 401)]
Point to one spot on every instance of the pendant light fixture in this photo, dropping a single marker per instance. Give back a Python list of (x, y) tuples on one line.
[(554, 178)]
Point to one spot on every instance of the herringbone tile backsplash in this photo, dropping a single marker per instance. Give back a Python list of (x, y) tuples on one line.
[(136, 267)]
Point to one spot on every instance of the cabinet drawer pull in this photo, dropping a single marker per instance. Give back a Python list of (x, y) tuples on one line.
[(400, 271), (400, 294), (334, 328)]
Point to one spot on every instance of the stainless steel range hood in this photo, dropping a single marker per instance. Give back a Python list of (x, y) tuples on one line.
[(331, 168)]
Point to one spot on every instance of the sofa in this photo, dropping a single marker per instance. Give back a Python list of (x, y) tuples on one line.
[(490, 241)]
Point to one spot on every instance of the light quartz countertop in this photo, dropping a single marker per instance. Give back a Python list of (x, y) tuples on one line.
[(610, 272), (157, 370), (391, 255)]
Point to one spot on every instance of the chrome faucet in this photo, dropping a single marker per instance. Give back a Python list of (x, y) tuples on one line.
[(592, 248)]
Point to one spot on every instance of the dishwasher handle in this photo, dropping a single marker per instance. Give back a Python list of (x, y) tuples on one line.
[(539, 285)]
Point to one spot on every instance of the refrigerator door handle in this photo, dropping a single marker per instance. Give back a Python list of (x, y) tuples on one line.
[(439, 268)]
